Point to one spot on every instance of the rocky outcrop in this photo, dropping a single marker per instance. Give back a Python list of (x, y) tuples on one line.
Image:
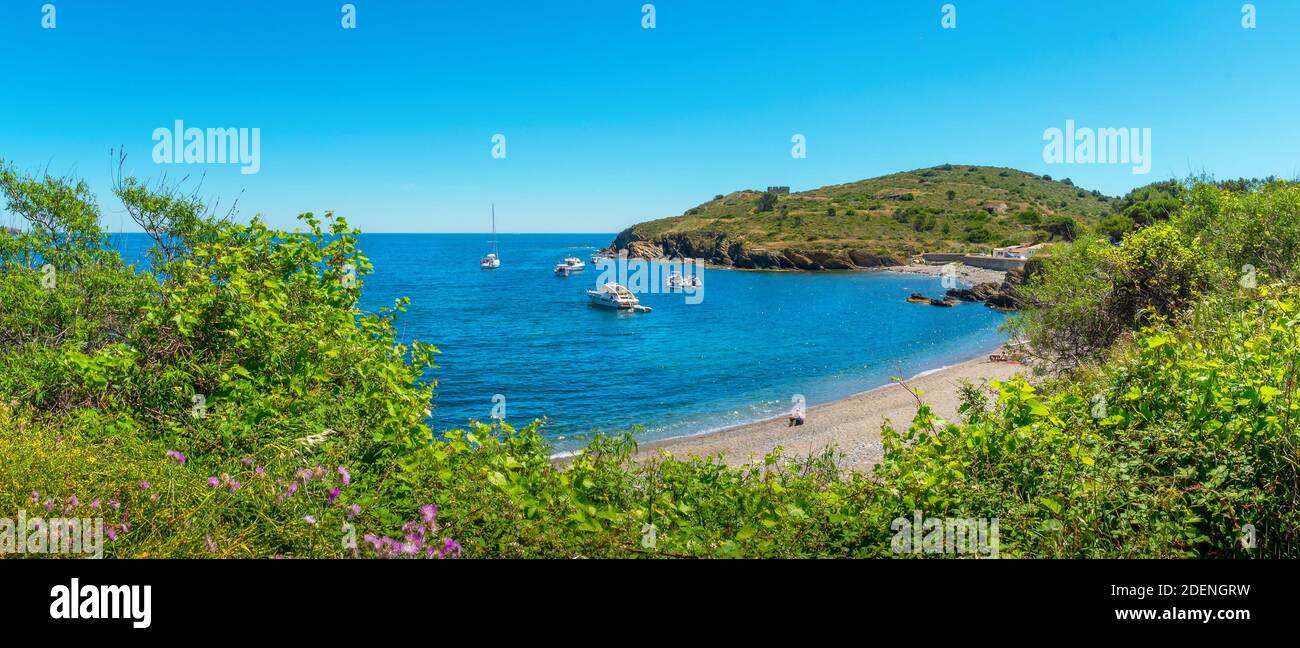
[(994, 295), (719, 250), (864, 259)]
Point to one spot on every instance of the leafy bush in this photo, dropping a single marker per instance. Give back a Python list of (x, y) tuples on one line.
[(1085, 297), (1116, 226)]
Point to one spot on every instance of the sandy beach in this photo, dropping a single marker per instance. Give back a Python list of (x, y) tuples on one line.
[(969, 275), (852, 424)]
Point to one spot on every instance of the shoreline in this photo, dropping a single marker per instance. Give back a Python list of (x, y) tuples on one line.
[(851, 423), (970, 275)]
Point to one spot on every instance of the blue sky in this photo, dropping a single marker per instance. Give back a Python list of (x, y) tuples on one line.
[(608, 123)]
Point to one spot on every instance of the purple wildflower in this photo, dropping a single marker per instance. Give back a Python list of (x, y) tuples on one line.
[(212, 546), (36, 497), (345, 475), (309, 519), (49, 505), (178, 457), (214, 482), (334, 494), (354, 511), (259, 471), (110, 532), (450, 548), (114, 503), (144, 485), (73, 501), (429, 512), (414, 532), (247, 461), (94, 503)]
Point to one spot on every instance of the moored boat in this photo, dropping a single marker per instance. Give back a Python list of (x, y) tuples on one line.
[(612, 295), (492, 261), (569, 266)]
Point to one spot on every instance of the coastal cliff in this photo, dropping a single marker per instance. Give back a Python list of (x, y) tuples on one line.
[(720, 249), (871, 223)]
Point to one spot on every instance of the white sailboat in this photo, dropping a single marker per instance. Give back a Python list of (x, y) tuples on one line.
[(492, 261)]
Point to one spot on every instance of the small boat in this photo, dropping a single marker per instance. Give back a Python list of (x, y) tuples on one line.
[(492, 261), (612, 295), (569, 266), (690, 281)]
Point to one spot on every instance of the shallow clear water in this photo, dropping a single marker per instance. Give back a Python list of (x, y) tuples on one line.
[(754, 341)]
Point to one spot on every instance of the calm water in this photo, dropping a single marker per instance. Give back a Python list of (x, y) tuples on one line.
[(753, 342)]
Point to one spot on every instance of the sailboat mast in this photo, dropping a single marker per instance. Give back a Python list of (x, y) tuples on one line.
[(495, 247)]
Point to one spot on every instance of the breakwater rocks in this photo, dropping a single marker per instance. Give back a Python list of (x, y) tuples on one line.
[(723, 251)]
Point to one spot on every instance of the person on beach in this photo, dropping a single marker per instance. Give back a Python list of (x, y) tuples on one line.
[(796, 416)]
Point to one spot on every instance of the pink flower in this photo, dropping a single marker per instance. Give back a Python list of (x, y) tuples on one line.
[(212, 546), (354, 511), (178, 457), (429, 512), (309, 519), (214, 482), (450, 548), (73, 501), (94, 503), (259, 471), (247, 461), (144, 485), (114, 503), (36, 497), (346, 477)]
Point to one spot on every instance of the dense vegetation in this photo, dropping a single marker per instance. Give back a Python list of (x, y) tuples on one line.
[(944, 208), (235, 401)]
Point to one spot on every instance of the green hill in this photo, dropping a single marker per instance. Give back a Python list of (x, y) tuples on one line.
[(880, 221)]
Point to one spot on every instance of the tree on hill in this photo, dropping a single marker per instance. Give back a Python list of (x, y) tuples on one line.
[(1063, 227)]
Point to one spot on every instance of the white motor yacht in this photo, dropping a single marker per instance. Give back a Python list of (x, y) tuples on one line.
[(569, 266), (612, 295)]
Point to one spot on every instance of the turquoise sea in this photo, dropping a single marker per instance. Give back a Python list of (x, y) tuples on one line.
[(753, 342)]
